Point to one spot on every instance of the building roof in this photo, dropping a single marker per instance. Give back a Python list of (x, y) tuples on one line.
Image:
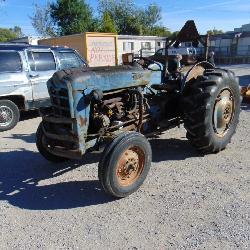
[(230, 35), (223, 36), (245, 34), (244, 27), (23, 46), (133, 37), (29, 37)]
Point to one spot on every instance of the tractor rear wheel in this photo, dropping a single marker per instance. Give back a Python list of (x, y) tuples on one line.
[(211, 106), (125, 164)]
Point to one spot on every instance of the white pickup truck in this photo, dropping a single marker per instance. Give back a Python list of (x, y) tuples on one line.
[(189, 55), (24, 72), (182, 51)]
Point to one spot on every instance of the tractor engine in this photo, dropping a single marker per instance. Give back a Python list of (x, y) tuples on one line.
[(110, 111), (93, 103), (131, 109)]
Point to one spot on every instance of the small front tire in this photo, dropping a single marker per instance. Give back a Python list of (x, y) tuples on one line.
[(43, 147), (125, 164)]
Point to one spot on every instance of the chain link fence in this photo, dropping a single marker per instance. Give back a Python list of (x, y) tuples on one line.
[(232, 54)]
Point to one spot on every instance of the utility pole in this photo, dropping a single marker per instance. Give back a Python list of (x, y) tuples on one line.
[(207, 46)]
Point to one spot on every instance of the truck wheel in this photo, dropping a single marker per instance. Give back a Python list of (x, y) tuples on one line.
[(9, 115), (43, 147), (211, 110), (125, 164)]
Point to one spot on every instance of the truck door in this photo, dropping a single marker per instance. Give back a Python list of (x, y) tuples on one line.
[(160, 56), (42, 65)]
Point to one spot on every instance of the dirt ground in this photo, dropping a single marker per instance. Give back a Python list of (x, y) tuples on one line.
[(188, 201)]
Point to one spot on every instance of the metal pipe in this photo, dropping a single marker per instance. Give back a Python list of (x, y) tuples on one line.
[(135, 105), (141, 97)]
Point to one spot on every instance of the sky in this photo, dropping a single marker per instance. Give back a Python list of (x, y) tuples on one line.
[(208, 14)]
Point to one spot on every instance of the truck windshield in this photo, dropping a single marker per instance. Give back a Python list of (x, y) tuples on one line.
[(69, 60), (10, 62)]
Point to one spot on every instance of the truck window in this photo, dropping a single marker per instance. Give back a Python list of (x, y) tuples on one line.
[(10, 62), (69, 60), (31, 61), (159, 52), (41, 61)]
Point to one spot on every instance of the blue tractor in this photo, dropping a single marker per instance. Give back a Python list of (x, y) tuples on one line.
[(120, 107)]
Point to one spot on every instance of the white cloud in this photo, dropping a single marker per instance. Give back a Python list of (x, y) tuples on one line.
[(237, 8), (206, 23), (225, 15), (7, 4), (207, 7)]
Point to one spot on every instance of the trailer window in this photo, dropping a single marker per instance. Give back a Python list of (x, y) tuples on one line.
[(146, 45), (69, 60), (10, 62), (128, 46), (41, 61)]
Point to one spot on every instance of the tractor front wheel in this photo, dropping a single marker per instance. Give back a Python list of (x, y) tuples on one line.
[(125, 164), (43, 147)]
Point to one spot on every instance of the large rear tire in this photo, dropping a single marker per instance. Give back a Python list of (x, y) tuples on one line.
[(211, 106), (125, 164)]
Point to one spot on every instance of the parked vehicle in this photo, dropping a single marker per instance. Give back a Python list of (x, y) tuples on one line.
[(188, 55), (24, 72)]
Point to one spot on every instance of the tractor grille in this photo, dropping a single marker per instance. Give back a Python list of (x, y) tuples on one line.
[(60, 102)]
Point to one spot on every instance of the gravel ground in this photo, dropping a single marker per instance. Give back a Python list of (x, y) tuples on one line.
[(188, 201)]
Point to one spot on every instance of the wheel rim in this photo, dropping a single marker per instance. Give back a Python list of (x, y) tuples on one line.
[(224, 110), (130, 166), (6, 116)]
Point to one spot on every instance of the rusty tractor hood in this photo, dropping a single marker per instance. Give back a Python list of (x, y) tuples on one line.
[(107, 78)]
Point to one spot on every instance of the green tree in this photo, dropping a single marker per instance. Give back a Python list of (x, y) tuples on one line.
[(42, 21), (10, 34), (173, 35), (150, 16), (18, 31), (130, 19), (64, 17), (214, 31), (107, 24), (160, 31), (72, 16), (124, 14)]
